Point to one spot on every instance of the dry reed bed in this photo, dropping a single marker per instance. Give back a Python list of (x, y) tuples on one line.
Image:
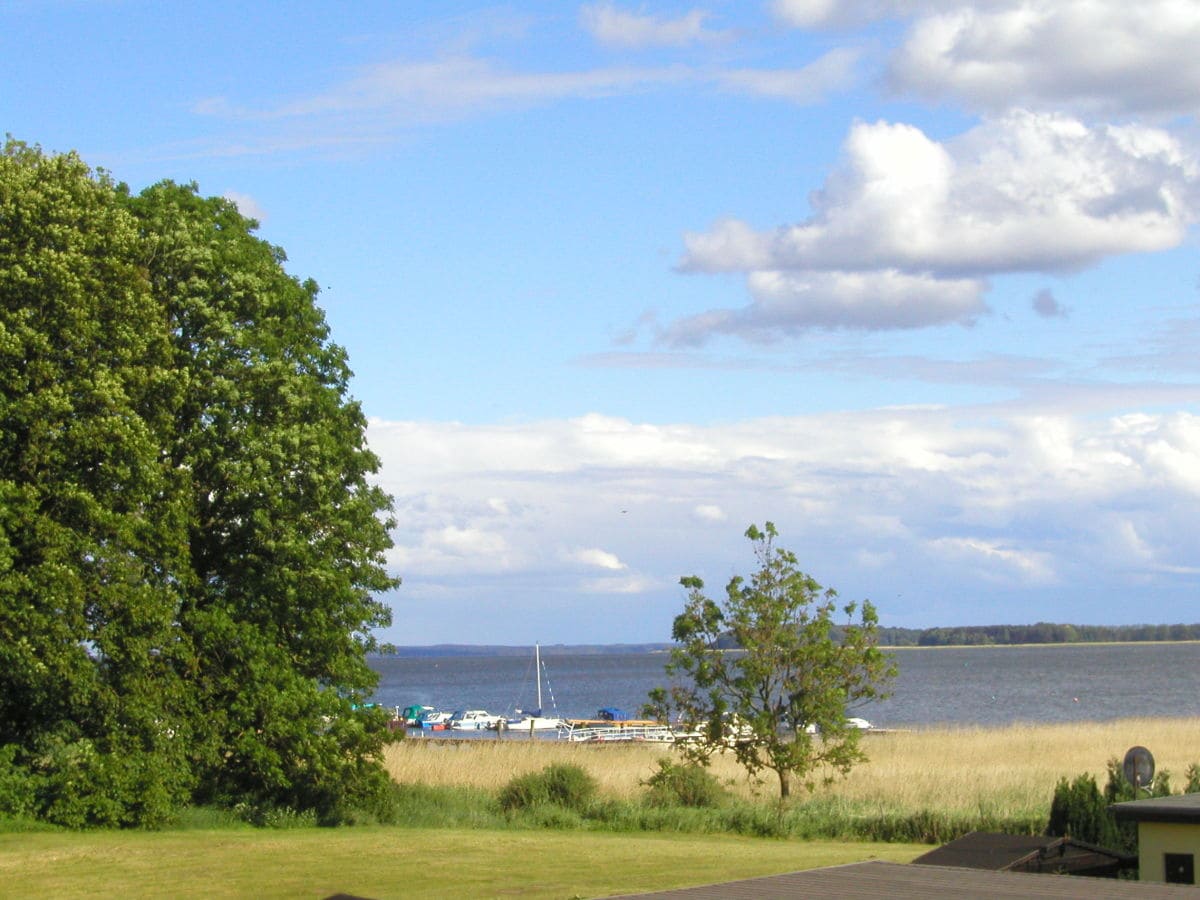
[(1007, 769)]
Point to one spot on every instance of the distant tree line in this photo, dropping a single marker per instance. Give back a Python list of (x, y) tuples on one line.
[(1001, 635), (1038, 633)]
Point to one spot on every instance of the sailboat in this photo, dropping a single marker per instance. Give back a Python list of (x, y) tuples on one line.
[(533, 720)]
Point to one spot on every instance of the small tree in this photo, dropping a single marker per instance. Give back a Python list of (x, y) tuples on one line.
[(779, 701)]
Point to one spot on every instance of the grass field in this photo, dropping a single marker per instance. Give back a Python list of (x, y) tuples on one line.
[(391, 862), (964, 773), (960, 770)]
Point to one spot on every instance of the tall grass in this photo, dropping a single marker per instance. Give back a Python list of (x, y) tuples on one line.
[(925, 785)]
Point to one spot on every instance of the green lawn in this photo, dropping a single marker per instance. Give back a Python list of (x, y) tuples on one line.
[(397, 862)]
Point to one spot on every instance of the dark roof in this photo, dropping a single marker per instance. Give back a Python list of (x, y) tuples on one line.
[(1179, 808), (1026, 853), (898, 881)]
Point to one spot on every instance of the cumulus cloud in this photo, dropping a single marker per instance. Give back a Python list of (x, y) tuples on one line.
[(1026, 191), (994, 559), (451, 549), (599, 559), (1021, 497), (836, 14), (790, 303), (1106, 56), (621, 28), (904, 232), (995, 54)]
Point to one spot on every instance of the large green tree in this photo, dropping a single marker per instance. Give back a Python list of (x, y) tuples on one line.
[(90, 689), (190, 544), (780, 700)]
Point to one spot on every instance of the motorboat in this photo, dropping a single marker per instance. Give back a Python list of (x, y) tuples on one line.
[(473, 720), (411, 715), (434, 720)]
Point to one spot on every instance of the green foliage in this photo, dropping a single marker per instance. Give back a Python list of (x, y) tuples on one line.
[(791, 670), (1079, 810), (567, 786), (1118, 790), (688, 784), (190, 543), (275, 816), (1193, 780)]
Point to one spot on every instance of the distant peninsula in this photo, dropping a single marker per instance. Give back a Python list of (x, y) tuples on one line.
[(506, 650), (953, 636), (1038, 633)]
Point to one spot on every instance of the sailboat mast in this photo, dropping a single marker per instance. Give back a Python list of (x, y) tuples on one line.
[(537, 661)]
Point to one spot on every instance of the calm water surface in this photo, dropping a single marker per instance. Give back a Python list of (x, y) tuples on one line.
[(968, 686)]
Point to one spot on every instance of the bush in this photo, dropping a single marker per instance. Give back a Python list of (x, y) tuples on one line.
[(16, 785), (280, 817), (568, 786), (1193, 779), (1080, 811), (684, 785)]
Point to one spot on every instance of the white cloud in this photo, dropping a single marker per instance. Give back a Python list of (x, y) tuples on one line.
[(993, 559), (1023, 192), (452, 550), (1093, 56), (1107, 56), (903, 232), (709, 512), (599, 559), (620, 28), (247, 205), (449, 87), (625, 584), (1018, 497), (368, 108), (810, 84), (789, 303)]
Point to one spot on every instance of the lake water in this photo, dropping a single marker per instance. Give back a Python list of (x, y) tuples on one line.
[(967, 686)]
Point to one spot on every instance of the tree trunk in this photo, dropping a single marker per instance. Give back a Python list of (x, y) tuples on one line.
[(785, 784)]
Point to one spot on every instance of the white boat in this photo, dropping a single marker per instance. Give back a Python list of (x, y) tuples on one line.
[(851, 724), (473, 720), (533, 720), (434, 721)]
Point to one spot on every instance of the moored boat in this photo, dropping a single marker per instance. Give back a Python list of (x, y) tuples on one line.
[(434, 720), (472, 720), (411, 715), (533, 720)]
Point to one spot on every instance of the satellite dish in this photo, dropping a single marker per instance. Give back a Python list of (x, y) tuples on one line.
[(1139, 767)]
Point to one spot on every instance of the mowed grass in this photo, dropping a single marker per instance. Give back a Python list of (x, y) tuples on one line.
[(397, 862), (1011, 769), (1008, 771)]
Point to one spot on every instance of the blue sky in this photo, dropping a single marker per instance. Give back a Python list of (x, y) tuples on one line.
[(915, 281)]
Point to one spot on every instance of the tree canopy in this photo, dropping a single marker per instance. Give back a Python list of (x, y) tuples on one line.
[(190, 542), (780, 701)]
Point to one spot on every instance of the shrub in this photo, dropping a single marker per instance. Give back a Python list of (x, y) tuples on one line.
[(16, 785), (1193, 780), (1080, 811), (280, 817), (568, 786), (684, 785)]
